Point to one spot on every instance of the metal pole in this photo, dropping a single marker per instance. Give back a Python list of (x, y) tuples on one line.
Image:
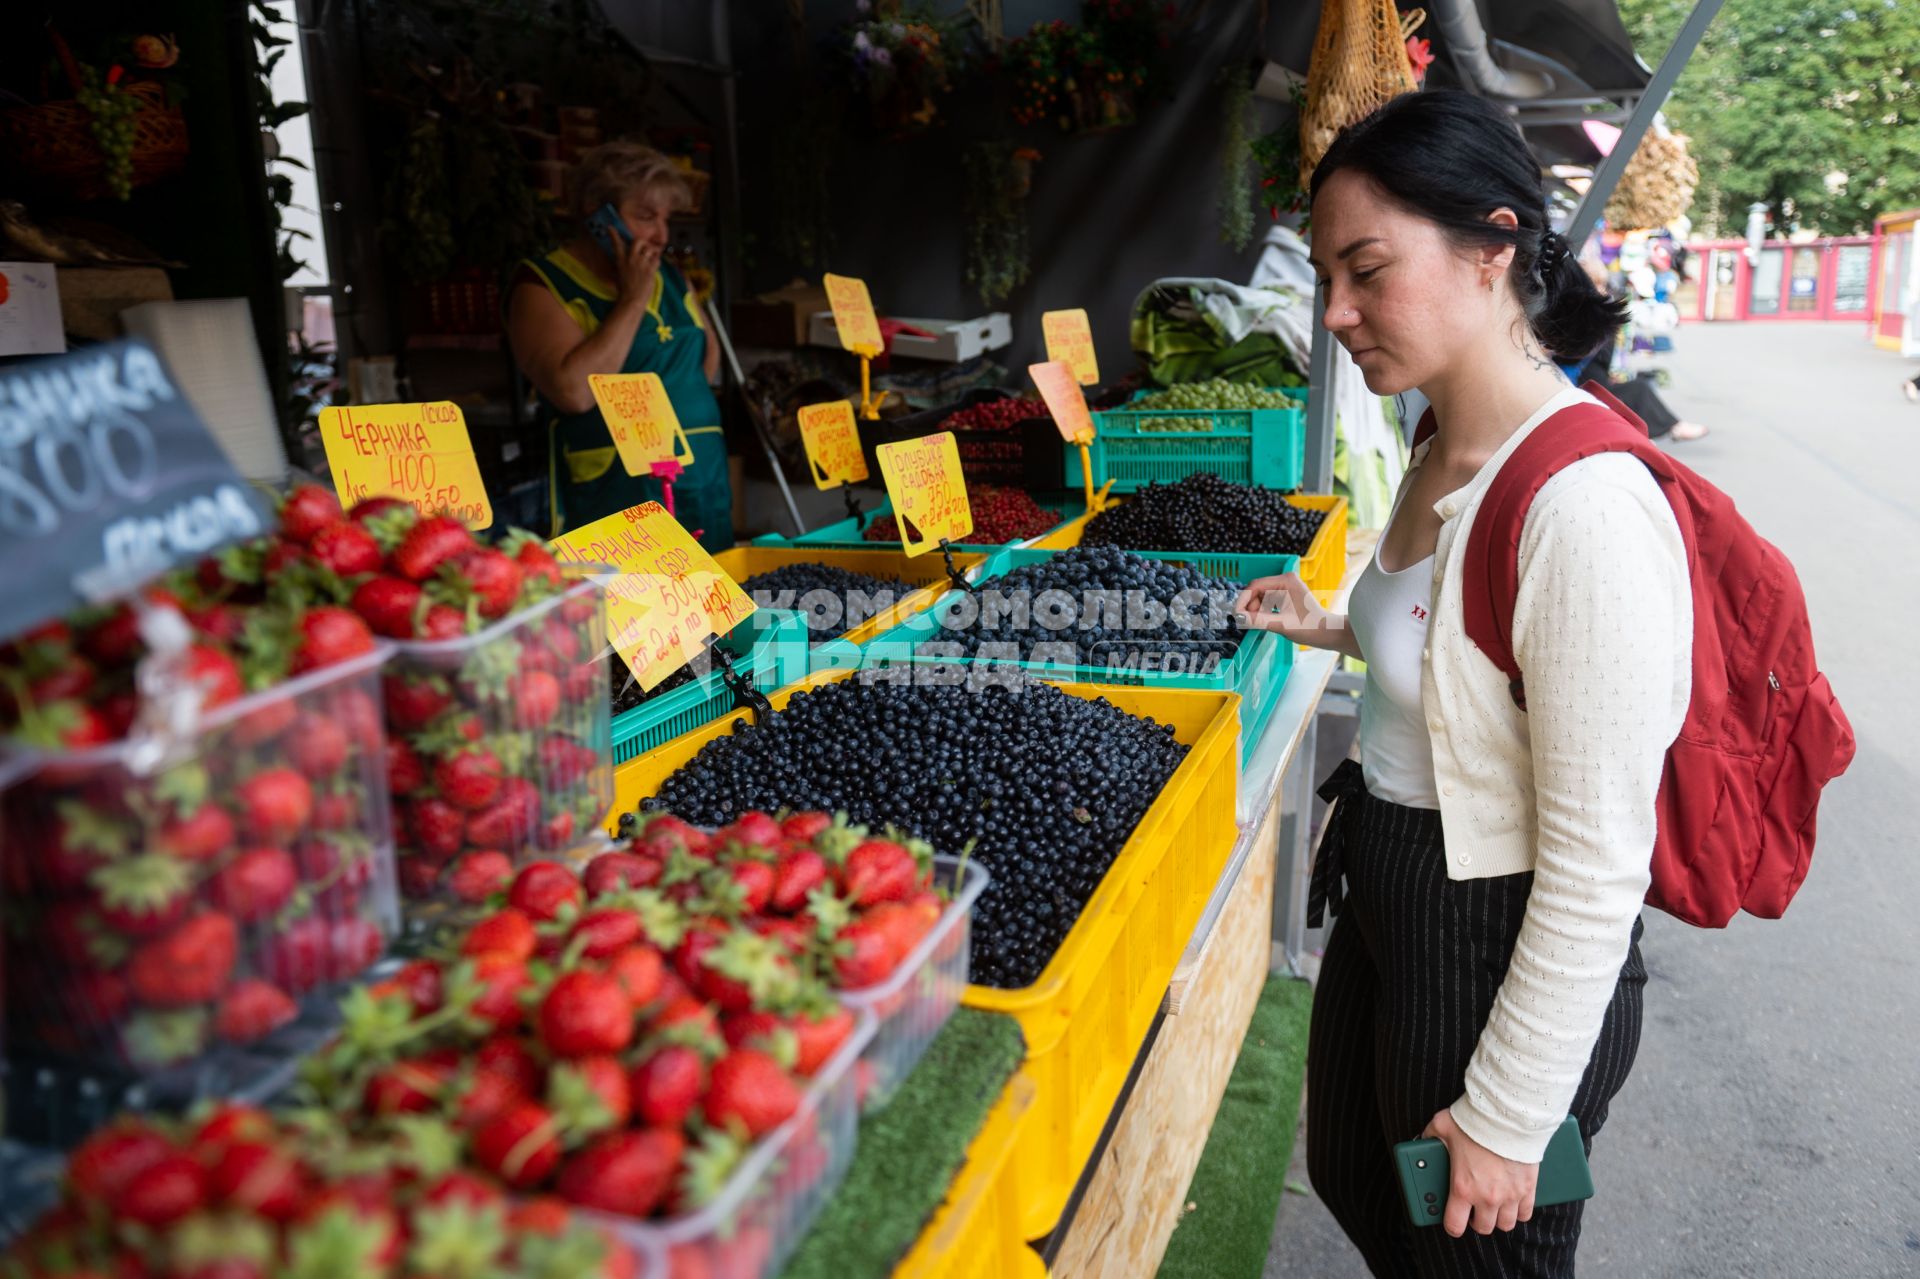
[(1317, 475), (753, 415), (1607, 176)]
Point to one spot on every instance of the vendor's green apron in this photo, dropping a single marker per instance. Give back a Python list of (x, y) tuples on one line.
[(587, 478)]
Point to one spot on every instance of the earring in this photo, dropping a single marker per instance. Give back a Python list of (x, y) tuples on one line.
[(1489, 286)]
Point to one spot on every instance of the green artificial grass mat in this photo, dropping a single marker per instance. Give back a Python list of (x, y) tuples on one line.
[(1243, 1170), (910, 1149)]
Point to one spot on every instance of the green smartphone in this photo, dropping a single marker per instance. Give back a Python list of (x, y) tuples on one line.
[(1424, 1175)]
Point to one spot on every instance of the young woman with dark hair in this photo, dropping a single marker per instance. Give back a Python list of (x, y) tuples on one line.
[(1486, 863)]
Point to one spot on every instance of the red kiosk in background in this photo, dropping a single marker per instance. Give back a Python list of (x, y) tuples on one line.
[(1824, 279), (1893, 279)]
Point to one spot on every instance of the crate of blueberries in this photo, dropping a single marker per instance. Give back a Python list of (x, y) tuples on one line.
[(765, 652)]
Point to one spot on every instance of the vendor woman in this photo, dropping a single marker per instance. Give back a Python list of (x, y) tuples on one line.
[(604, 302)]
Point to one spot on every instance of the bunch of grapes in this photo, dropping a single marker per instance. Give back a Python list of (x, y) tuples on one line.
[(1214, 393), (110, 110)]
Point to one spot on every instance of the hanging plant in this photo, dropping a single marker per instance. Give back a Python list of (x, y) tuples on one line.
[(999, 179), (900, 63), (1092, 76), (1276, 158), (1236, 174)]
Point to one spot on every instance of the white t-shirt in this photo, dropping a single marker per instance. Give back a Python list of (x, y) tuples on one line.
[(1388, 613)]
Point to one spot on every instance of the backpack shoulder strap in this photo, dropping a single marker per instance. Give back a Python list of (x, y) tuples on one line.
[(1492, 580)]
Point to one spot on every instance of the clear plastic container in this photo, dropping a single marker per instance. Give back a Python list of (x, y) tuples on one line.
[(768, 1205), (913, 1004), (181, 913), (502, 745)]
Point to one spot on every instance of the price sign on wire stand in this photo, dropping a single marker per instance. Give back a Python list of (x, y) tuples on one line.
[(667, 595), (108, 478), (833, 444), (859, 332), (419, 453), (929, 496), (645, 429), (1070, 341), (1069, 411)]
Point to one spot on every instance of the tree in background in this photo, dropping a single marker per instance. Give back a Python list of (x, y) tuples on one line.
[(1811, 107)]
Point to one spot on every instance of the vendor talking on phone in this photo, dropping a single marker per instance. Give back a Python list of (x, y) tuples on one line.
[(604, 302)]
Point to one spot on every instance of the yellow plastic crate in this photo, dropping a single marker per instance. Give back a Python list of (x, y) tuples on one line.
[(928, 572), (1087, 1015), (976, 1233), (1321, 568)]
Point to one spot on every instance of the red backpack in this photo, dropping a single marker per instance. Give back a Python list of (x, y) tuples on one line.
[(1763, 731)]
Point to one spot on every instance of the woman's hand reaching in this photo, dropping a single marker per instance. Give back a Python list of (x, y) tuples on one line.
[(1286, 605), (1485, 1190)]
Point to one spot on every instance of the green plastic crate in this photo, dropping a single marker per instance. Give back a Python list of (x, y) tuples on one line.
[(1257, 671), (845, 534), (1265, 447), (769, 647)]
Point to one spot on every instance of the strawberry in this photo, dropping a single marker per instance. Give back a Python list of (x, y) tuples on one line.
[(144, 895), (543, 889), (371, 508), (502, 978), (610, 872), (507, 931), (817, 1039), (266, 722), (736, 971), (275, 805), (468, 779), (666, 833), (346, 548), (388, 605), (437, 827), (795, 934), (668, 1085), (536, 698), (485, 1094), (601, 1077), (414, 700), (639, 970), (308, 509), (255, 885), (510, 820), (879, 870), (215, 673), (101, 998), (405, 773), (748, 1089), (418, 877), (903, 924), (866, 956), (281, 558), (753, 829), (802, 827), (442, 622), (329, 634), (299, 956), (563, 761), (336, 810), (198, 836), (520, 1147), (492, 576), (607, 931), (161, 1193), (100, 1168), (259, 1177), (628, 1173), (354, 945), (115, 639), (537, 561), (479, 875), (556, 832), (229, 1121), (693, 1017), (796, 875), (252, 1010), (191, 965), (358, 1208), (221, 623), (318, 746), (586, 1013), (432, 542), (753, 882), (423, 983), (505, 1055), (410, 1086), (63, 726)]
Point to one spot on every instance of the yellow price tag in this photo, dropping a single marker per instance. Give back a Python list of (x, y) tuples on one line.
[(1064, 401), (833, 444), (1070, 341), (929, 495), (853, 315), (667, 594), (640, 417), (419, 453)]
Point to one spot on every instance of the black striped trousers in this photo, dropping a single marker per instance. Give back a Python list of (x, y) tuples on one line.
[(1409, 978)]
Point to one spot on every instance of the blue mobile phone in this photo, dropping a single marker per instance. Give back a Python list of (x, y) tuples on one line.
[(609, 230)]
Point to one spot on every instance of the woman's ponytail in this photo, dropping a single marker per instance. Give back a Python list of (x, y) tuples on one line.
[(1570, 316)]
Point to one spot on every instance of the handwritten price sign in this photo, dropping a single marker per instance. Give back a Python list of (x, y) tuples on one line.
[(1070, 341), (419, 453), (833, 444), (667, 594), (853, 315), (1064, 401), (640, 417), (929, 495)]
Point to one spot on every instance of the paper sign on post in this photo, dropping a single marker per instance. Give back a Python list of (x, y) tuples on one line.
[(833, 444), (1064, 401), (419, 453), (853, 315), (108, 478), (1070, 341), (640, 417), (667, 594), (929, 495)]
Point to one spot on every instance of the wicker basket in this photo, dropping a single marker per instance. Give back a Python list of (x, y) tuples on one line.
[(51, 144)]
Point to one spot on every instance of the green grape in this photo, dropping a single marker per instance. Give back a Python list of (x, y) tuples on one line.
[(1214, 394)]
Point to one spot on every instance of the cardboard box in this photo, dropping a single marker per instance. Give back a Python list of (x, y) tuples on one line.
[(779, 318)]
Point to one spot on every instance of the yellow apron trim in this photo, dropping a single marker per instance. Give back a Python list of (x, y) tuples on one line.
[(583, 275), (576, 307), (699, 430), (692, 304), (587, 465)]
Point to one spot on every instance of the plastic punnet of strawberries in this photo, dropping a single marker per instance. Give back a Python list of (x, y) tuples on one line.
[(999, 515), (167, 908), (622, 1036), (240, 1194)]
